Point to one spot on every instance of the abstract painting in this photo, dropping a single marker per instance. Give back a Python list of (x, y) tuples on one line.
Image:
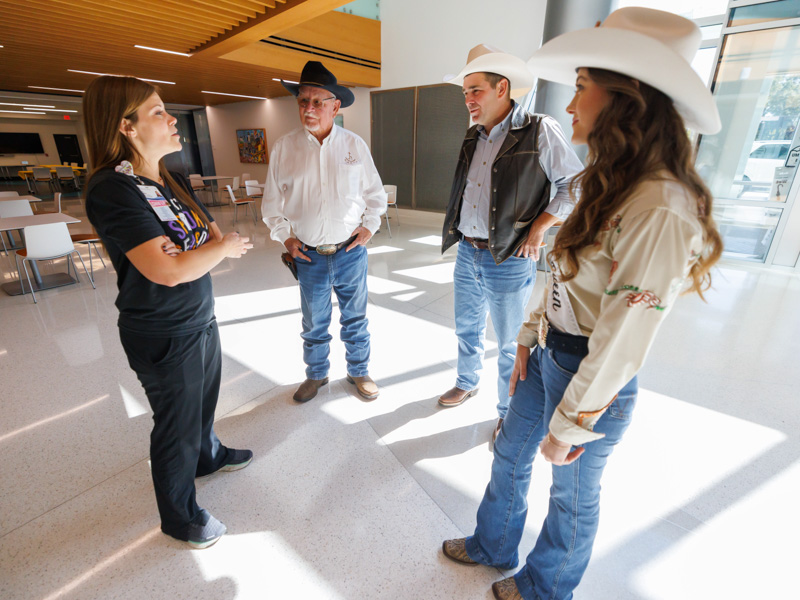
[(252, 145)]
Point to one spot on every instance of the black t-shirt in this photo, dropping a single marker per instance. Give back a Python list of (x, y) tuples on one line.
[(118, 207)]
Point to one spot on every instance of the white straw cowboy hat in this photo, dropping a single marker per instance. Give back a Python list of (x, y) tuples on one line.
[(485, 59), (653, 46)]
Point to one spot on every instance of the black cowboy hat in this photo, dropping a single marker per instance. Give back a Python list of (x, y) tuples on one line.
[(316, 75)]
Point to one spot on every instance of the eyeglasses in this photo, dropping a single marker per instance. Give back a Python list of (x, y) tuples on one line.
[(317, 104)]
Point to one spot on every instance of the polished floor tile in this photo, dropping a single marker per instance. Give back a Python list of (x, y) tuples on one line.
[(351, 499)]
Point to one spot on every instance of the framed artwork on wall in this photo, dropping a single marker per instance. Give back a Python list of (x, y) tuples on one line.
[(252, 145)]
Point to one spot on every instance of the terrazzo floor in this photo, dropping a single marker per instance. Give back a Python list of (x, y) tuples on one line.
[(350, 499)]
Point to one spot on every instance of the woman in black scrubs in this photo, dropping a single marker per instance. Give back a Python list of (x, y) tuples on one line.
[(163, 243)]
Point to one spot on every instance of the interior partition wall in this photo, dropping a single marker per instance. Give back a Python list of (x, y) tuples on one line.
[(416, 137)]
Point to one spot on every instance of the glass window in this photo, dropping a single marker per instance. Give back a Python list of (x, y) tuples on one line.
[(764, 13), (747, 231), (757, 90)]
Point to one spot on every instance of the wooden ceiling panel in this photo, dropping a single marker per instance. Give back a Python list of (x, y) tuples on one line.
[(44, 38)]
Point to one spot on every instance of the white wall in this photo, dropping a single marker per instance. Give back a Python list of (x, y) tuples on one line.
[(422, 41), (45, 129), (278, 116)]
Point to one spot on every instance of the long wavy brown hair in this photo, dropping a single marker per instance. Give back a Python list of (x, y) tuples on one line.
[(636, 135), (107, 101)]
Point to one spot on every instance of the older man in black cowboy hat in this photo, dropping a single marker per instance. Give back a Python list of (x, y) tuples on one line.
[(323, 201)]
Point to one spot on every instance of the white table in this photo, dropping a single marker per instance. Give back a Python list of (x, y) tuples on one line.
[(215, 189), (28, 198), (39, 282)]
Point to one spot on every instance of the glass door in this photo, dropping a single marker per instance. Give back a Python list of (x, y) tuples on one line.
[(750, 165)]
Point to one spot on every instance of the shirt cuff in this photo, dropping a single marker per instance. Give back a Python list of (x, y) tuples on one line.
[(569, 432), (528, 335), (371, 223)]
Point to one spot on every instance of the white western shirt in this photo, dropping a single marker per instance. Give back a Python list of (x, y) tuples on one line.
[(320, 193), (626, 284)]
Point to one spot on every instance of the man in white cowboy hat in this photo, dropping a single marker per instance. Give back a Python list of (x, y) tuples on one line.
[(323, 201), (499, 212)]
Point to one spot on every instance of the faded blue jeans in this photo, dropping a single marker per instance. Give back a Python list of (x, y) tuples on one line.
[(557, 562), (484, 288), (346, 274)]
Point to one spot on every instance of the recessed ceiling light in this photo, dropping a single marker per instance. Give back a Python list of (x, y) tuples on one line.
[(160, 50), (36, 105), (52, 110), (39, 87), (115, 75), (285, 80), (235, 95), (22, 112)]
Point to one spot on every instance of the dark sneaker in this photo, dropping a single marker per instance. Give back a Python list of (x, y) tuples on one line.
[(205, 532), (237, 459)]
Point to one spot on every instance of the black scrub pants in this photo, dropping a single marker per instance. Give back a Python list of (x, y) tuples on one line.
[(181, 377)]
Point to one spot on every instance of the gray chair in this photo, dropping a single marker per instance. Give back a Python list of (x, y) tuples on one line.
[(42, 175), (67, 175)]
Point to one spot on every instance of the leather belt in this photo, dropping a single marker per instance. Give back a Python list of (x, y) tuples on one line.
[(550, 337), (477, 243), (328, 249)]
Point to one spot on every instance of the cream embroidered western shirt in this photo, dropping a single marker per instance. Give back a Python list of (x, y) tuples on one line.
[(626, 285), (320, 193)]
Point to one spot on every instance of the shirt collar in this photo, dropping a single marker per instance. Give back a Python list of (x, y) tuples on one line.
[(328, 140), (500, 129)]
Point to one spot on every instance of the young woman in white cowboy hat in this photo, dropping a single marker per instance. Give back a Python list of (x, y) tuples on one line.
[(641, 234)]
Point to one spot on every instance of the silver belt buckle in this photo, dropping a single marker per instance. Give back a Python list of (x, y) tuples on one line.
[(544, 327), (326, 249)]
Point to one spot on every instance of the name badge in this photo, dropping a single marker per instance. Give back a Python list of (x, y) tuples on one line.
[(158, 203)]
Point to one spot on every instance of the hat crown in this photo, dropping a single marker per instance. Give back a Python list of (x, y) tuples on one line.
[(679, 34), (480, 50), (314, 72)]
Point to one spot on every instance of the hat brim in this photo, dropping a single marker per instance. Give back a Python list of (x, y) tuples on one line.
[(636, 55), (507, 65), (344, 95)]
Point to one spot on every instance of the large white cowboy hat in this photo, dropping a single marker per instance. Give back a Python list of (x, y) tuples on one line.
[(653, 46), (485, 59)]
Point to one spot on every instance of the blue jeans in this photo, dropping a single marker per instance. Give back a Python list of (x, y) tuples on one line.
[(345, 273), (483, 287), (557, 562)]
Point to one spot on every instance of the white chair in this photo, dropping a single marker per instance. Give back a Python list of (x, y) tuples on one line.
[(90, 240), (67, 175), (245, 177), (56, 205), (43, 174), (13, 208), (252, 190), (9, 194), (391, 192), (235, 185), (47, 242), (248, 202)]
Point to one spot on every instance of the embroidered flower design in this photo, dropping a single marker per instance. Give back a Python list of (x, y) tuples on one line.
[(124, 167), (614, 266), (610, 224), (638, 296)]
